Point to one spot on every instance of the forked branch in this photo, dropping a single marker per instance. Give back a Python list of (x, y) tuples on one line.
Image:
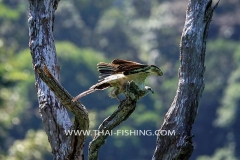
[(79, 111), (183, 111), (124, 110)]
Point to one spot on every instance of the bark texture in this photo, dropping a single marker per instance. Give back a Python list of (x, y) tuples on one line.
[(52, 96), (124, 110), (183, 111), (54, 99), (54, 115)]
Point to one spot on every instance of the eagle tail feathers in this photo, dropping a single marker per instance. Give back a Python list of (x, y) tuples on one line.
[(91, 90)]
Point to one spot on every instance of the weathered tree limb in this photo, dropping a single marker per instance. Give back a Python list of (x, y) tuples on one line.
[(66, 99), (51, 93), (79, 111), (54, 116), (124, 110), (183, 111), (180, 116)]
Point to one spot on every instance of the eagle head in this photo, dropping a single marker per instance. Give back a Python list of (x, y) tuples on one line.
[(155, 70)]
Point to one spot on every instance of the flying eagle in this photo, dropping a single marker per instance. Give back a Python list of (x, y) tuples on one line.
[(118, 73)]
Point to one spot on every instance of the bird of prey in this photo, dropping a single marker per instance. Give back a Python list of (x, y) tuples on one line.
[(118, 73)]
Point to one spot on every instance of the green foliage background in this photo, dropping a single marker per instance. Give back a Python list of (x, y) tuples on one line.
[(87, 32)]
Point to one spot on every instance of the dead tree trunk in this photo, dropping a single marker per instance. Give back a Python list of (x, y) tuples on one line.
[(54, 99), (54, 115), (183, 111), (180, 116)]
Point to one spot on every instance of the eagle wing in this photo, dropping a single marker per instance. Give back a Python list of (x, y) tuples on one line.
[(114, 73), (118, 66)]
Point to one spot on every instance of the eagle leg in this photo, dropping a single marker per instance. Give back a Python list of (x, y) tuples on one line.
[(120, 101)]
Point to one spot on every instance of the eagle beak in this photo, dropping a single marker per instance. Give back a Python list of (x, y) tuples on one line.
[(150, 89), (160, 73)]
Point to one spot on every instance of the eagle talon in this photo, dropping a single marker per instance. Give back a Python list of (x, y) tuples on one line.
[(120, 101)]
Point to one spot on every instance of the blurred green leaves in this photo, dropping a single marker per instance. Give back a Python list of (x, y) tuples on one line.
[(34, 146), (225, 153), (6, 12), (87, 32)]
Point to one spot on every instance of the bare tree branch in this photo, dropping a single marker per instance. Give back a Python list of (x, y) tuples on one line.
[(66, 99), (183, 111), (51, 93), (79, 111), (180, 116), (54, 116), (124, 110)]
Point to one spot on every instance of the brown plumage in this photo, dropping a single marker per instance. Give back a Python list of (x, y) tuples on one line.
[(117, 73)]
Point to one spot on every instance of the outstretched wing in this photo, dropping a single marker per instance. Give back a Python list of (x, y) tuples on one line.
[(104, 84), (118, 66)]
